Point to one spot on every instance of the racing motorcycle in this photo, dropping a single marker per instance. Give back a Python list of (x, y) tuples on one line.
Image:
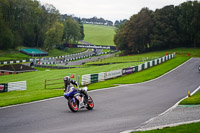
[(77, 100)]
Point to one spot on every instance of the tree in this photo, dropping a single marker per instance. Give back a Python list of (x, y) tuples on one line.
[(120, 22), (27, 21), (164, 33), (53, 36), (6, 35), (81, 29), (189, 16), (116, 23), (120, 39), (169, 27), (134, 36), (47, 17), (71, 33)]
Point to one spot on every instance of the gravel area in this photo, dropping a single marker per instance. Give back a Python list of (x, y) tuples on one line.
[(182, 114)]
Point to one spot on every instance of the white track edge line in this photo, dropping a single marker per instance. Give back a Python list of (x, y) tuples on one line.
[(168, 110), (161, 127), (171, 125)]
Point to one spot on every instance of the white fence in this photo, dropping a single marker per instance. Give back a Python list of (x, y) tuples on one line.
[(92, 78), (13, 86)]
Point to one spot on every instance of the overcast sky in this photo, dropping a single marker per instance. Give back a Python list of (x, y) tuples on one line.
[(107, 9)]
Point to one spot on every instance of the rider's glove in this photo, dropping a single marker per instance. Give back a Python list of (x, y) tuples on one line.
[(76, 83)]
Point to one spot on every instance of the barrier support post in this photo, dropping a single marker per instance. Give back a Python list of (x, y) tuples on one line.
[(45, 84)]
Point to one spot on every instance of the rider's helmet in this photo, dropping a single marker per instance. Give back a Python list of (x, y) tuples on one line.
[(67, 80)]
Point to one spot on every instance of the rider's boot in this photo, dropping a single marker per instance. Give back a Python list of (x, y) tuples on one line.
[(86, 96)]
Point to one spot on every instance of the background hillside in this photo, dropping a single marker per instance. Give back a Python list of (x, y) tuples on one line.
[(99, 34)]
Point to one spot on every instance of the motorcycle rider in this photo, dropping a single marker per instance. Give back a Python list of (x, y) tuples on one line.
[(69, 83)]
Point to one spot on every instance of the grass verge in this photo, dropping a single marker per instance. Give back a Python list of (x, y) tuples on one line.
[(188, 128), (195, 99)]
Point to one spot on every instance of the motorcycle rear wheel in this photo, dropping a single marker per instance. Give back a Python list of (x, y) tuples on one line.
[(73, 106), (90, 104)]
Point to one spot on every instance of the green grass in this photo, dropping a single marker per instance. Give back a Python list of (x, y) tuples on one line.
[(195, 99), (99, 34), (56, 52), (36, 80), (188, 128), (125, 59), (16, 97), (106, 50), (9, 55)]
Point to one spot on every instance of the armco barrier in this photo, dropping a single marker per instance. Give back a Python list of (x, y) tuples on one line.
[(113, 74), (101, 76), (129, 70), (92, 78), (12, 62), (3, 87), (139, 67), (86, 79), (13, 86)]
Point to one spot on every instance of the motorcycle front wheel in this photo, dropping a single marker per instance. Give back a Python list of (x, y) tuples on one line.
[(73, 105), (90, 104)]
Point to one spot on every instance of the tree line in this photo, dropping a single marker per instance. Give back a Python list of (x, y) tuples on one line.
[(93, 20), (165, 28), (28, 23), (98, 21), (119, 22)]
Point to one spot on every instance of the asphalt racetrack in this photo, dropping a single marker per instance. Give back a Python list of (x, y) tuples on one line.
[(116, 109)]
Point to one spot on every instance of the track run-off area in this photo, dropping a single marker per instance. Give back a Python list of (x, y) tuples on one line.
[(115, 110)]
